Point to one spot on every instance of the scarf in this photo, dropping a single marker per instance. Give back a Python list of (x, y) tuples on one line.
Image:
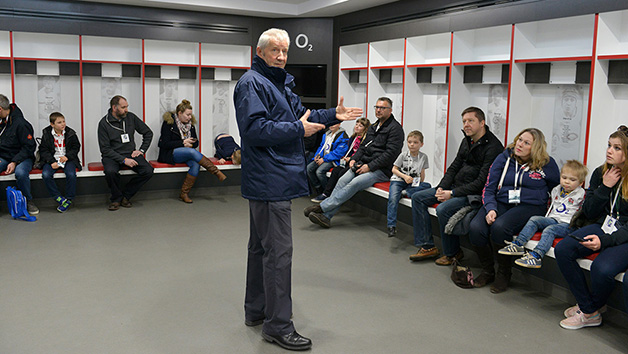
[(184, 129)]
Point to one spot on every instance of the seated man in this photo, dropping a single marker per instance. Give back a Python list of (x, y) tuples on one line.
[(116, 139), (465, 176), (17, 148), (372, 163)]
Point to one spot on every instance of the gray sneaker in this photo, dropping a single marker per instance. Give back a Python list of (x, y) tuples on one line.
[(512, 250), (528, 261), (32, 208)]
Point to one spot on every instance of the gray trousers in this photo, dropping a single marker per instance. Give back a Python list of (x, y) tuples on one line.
[(269, 267)]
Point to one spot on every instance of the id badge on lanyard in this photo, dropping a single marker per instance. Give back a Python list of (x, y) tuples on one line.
[(416, 181), (514, 195), (610, 223), (125, 138)]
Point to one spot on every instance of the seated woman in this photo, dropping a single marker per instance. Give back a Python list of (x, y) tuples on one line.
[(332, 148), (178, 143), (606, 202), (517, 188), (359, 132), (227, 149)]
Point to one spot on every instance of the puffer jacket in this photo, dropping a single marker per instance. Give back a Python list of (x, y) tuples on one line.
[(467, 174), (47, 147), (273, 153), (170, 138), (380, 148), (338, 149)]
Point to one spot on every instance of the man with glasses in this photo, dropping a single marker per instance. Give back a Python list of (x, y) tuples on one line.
[(372, 163)]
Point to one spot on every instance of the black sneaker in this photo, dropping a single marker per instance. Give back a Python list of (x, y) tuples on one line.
[(320, 219), (392, 231), (32, 208)]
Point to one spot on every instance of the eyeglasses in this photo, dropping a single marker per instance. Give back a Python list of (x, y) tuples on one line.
[(380, 107)]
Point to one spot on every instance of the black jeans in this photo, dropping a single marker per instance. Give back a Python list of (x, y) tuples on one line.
[(144, 172)]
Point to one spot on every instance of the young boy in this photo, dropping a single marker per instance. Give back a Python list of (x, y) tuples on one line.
[(59, 149), (227, 149), (332, 149), (567, 198), (408, 175)]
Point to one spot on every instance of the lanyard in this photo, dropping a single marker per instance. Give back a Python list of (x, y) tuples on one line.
[(616, 195), (123, 126), (518, 172)]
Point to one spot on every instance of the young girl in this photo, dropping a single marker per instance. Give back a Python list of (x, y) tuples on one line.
[(178, 143), (606, 202)]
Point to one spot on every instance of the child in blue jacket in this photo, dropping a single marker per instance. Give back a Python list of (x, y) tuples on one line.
[(332, 149)]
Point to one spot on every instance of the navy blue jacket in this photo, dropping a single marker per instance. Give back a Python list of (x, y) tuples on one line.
[(535, 186), (273, 154), (17, 142)]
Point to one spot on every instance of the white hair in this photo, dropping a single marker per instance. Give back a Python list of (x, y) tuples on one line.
[(272, 33)]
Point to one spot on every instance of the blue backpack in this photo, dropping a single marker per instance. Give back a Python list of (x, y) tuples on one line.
[(17, 205)]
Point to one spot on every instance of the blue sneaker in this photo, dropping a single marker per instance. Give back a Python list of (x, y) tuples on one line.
[(64, 206), (60, 200), (319, 198)]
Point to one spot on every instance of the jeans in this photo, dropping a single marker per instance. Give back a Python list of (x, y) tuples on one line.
[(510, 220), (317, 174), (394, 196), (21, 176), (423, 236), (70, 180), (610, 262), (348, 185), (190, 156), (551, 229), (336, 173)]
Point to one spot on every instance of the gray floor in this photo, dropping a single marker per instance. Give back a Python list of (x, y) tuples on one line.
[(164, 277)]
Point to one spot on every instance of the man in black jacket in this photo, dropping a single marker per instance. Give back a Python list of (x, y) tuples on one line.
[(17, 148), (372, 163), (116, 133), (465, 176)]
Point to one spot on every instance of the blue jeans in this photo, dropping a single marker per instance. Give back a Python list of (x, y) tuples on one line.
[(551, 229), (317, 174), (511, 218), (190, 156), (70, 180), (348, 185), (394, 196), (423, 236), (21, 176), (610, 262)]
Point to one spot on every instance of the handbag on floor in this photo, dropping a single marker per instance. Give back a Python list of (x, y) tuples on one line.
[(462, 275), (17, 205)]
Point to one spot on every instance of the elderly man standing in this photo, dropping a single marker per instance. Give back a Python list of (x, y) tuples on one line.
[(17, 148), (272, 123), (116, 133)]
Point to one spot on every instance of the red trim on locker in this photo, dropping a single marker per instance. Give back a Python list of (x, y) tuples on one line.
[(403, 80), (350, 69), (338, 81), (368, 63), (50, 59), (486, 62), (12, 67), (428, 65), (548, 60), (143, 84), (451, 68), (613, 57), (387, 67), (170, 64), (81, 91), (593, 54), (200, 98), (512, 57), (112, 62), (223, 66)]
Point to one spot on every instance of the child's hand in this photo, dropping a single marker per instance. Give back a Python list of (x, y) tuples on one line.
[(408, 179), (222, 161)]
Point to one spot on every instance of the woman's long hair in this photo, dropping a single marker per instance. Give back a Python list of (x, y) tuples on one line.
[(622, 134), (366, 123), (538, 155)]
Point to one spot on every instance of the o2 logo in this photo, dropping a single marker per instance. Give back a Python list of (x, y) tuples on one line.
[(303, 42)]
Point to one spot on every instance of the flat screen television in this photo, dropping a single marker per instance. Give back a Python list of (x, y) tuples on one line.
[(310, 80)]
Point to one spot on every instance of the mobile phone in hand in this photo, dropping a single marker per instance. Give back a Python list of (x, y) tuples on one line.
[(580, 239)]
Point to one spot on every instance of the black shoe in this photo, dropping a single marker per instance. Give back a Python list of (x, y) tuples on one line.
[(253, 323), (312, 208), (392, 231), (320, 219), (290, 341)]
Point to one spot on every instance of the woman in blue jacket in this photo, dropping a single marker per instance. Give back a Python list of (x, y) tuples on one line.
[(606, 204), (332, 149), (518, 186)]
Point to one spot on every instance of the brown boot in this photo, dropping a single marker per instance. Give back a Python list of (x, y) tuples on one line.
[(209, 166), (188, 182)]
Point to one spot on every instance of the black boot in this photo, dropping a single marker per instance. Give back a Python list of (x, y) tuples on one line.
[(504, 272), (485, 254)]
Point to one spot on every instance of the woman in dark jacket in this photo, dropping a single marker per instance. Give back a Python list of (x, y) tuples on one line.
[(178, 143), (517, 188), (606, 203), (63, 154)]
